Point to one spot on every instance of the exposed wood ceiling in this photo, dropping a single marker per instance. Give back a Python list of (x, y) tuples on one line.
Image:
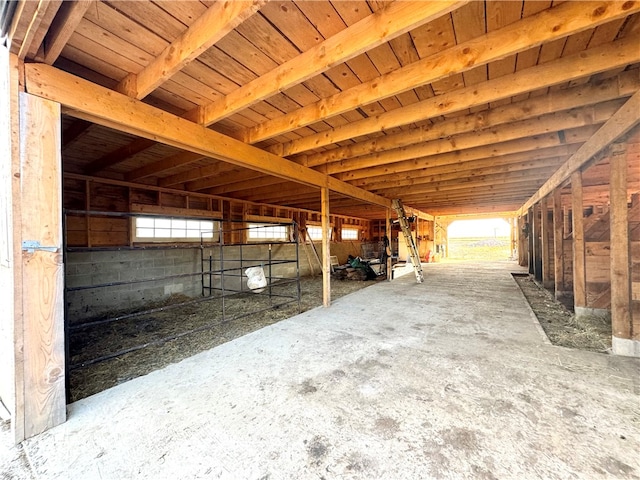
[(454, 107)]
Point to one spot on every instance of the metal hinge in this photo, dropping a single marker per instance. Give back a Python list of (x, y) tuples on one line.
[(30, 246)]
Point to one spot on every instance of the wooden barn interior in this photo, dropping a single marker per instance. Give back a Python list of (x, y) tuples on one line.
[(217, 117)]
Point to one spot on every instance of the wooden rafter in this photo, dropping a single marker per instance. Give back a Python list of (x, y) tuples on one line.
[(620, 86), (610, 56), (215, 23), (119, 155), (174, 161), (620, 123), (63, 26), (552, 24), (382, 26)]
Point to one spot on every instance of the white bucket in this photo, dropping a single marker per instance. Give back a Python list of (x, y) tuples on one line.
[(256, 280)]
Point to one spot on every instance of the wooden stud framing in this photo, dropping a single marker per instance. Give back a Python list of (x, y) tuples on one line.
[(579, 267)]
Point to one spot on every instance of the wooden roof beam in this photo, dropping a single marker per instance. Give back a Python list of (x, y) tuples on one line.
[(119, 155), (596, 60), (619, 124), (167, 163), (209, 28), (508, 160), (558, 22), (489, 182), (588, 95), (88, 101), (529, 144), (465, 171), (370, 32), (480, 157), (489, 136), (62, 27), (34, 35), (195, 174)]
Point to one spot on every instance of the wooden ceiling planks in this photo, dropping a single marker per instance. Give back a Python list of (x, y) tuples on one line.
[(368, 141)]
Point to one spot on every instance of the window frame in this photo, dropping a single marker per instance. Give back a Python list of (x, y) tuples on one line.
[(214, 223), (356, 230), (253, 226)]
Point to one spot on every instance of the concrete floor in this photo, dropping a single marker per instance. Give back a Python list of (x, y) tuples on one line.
[(446, 379)]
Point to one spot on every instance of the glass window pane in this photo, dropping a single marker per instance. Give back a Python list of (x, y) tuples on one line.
[(144, 232), (163, 223), (178, 223), (163, 233), (144, 222)]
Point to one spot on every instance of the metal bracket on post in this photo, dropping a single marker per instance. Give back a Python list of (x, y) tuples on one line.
[(30, 246)]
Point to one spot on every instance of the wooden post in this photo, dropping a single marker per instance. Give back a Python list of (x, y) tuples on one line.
[(522, 241), (388, 235), (579, 267), (530, 245), (537, 237), (42, 363), (326, 246), (547, 271), (512, 231), (10, 275), (558, 244), (621, 316)]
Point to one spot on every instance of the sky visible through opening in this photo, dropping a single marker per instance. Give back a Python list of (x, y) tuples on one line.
[(484, 228)]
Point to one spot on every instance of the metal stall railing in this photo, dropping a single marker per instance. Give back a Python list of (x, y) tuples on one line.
[(212, 271)]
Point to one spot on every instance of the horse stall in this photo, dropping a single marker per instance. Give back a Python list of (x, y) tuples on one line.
[(132, 309)]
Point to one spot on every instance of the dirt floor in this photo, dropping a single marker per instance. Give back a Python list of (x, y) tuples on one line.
[(205, 317), (560, 324)]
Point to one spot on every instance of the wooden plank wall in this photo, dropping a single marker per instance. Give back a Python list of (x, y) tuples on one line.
[(591, 198), (42, 359), (84, 230)]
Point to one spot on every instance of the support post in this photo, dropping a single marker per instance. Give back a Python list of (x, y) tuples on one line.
[(522, 241), (558, 244), (10, 271), (326, 245), (40, 357), (622, 341), (537, 238), (579, 267), (545, 223), (387, 232)]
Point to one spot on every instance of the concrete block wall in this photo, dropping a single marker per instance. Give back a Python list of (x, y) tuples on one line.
[(100, 267)]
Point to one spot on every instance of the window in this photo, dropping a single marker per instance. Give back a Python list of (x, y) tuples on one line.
[(263, 232), (349, 234), (168, 229), (315, 233)]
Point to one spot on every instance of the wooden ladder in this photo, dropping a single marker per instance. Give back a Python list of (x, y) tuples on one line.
[(408, 238)]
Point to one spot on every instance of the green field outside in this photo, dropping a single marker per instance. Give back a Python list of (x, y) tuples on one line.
[(479, 248)]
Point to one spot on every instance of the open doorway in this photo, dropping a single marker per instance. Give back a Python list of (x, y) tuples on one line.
[(479, 240)]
